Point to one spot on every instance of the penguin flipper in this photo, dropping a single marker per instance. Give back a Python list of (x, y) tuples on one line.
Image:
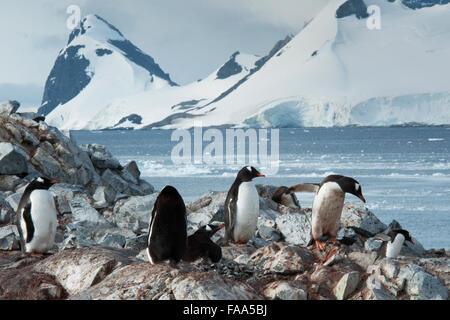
[(229, 217), (304, 187), (382, 237), (24, 213)]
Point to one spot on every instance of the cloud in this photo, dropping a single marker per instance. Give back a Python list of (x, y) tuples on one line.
[(283, 13), (29, 95)]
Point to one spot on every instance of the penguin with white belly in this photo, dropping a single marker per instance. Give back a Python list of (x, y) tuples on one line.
[(36, 217), (241, 209), (393, 241), (167, 238), (328, 204)]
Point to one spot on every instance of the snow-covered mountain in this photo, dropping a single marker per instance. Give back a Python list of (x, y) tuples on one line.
[(157, 108), (97, 65), (335, 71)]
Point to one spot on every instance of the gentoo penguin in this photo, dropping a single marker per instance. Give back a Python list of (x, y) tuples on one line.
[(241, 207), (328, 204), (288, 199), (200, 245), (167, 236), (393, 242), (37, 217)]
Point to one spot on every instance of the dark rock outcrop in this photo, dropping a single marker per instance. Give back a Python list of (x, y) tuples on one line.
[(352, 7)]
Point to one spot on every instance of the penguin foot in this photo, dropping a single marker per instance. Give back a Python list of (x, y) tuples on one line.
[(36, 255), (320, 245), (333, 240), (239, 244), (329, 253)]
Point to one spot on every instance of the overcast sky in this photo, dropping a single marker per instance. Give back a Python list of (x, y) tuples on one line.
[(188, 38)]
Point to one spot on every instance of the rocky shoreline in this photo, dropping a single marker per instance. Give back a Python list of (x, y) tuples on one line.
[(104, 208)]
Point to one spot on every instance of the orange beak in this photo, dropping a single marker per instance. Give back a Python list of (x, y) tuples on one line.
[(260, 175), (54, 181), (221, 227)]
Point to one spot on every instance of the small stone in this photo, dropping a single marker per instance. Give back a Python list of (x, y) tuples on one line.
[(103, 196), (373, 244), (347, 285), (9, 238), (7, 214), (284, 291), (282, 258), (50, 291)]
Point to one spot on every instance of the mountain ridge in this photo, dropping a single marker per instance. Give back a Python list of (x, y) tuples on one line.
[(334, 72)]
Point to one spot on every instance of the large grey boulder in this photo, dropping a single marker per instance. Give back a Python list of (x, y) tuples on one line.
[(134, 212), (114, 180), (282, 258), (132, 282), (295, 228), (420, 284), (12, 159), (83, 212), (144, 281), (210, 286), (14, 199), (101, 158), (50, 152), (104, 196), (23, 283), (79, 269), (64, 192), (357, 215), (286, 290), (9, 183), (346, 285)]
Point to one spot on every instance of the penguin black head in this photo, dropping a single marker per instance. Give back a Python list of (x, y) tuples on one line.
[(169, 191), (209, 230), (41, 183), (248, 173), (347, 184), (405, 233)]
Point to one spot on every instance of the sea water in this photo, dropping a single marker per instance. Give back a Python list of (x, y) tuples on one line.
[(404, 172)]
